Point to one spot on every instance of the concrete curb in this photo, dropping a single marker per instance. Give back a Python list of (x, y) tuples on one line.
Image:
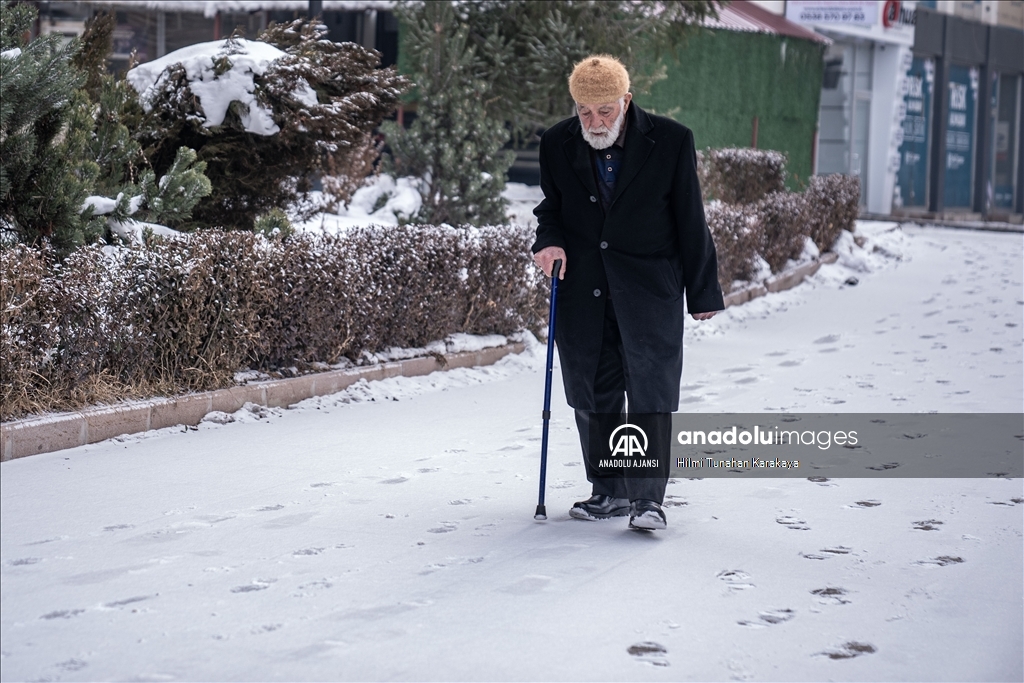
[(780, 281), (49, 433), (933, 221)]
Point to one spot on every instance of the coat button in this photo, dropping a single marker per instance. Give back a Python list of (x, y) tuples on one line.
[(597, 292), (593, 198), (604, 245)]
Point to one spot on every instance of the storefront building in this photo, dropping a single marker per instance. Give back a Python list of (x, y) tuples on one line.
[(961, 153), (860, 119)]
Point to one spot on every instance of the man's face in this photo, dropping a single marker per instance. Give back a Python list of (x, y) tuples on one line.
[(602, 122)]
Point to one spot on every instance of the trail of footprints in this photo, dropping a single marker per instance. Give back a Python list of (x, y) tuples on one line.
[(738, 581)]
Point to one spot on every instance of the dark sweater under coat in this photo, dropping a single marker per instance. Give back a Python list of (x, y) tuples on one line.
[(645, 251)]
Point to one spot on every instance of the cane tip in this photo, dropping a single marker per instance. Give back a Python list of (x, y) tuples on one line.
[(541, 513)]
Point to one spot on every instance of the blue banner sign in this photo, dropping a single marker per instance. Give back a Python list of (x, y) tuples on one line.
[(912, 176), (963, 105)]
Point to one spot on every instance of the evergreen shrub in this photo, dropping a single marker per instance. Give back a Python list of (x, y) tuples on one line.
[(178, 315), (313, 114)]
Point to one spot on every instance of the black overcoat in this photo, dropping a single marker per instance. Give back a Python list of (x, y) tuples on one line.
[(650, 247)]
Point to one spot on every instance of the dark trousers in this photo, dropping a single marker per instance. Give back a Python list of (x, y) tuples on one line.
[(612, 387)]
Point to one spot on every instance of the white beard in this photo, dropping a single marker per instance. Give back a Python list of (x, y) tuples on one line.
[(605, 137)]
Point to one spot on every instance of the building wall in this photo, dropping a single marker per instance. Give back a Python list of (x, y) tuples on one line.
[(723, 79)]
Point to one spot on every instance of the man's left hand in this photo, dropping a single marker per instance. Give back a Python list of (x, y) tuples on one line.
[(703, 316)]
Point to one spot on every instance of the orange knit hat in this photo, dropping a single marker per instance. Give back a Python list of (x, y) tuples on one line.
[(598, 79)]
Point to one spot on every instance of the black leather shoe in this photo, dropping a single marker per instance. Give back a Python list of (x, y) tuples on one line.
[(600, 507), (646, 514)]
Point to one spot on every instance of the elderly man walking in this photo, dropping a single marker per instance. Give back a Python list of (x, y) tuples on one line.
[(622, 210)]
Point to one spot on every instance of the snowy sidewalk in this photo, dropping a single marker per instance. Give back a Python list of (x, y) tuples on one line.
[(386, 532)]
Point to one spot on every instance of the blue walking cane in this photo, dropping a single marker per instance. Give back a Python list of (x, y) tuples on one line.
[(542, 512)]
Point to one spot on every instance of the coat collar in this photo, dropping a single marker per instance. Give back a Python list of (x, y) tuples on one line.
[(636, 150)]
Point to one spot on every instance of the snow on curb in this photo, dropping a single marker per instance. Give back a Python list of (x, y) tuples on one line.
[(31, 436), (780, 282)]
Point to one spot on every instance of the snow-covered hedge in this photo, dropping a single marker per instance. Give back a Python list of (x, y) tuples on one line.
[(186, 314), (775, 228), (834, 201), (741, 175)]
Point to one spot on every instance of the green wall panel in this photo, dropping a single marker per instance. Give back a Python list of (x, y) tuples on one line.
[(722, 79)]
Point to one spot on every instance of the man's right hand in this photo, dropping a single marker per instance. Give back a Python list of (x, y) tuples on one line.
[(546, 257)]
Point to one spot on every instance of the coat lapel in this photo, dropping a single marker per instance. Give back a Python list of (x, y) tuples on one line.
[(637, 148), (578, 152)]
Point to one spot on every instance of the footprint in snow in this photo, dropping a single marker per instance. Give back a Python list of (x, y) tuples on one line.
[(793, 523), (837, 550), (940, 561), (446, 527), (928, 525), (116, 527), (829, 339), (252, 587), (395, 480), (71, 665), (826, 553), (831, 595), (649, 652), (270, 508), (848, 650), (63, 614), (24, 561), (790, 363), (864, 504), (128, 601), (736, 579), (460, 501), (308, 551), (769, 618)]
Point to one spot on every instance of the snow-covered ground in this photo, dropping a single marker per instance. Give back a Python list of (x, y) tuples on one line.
[(386, 533)]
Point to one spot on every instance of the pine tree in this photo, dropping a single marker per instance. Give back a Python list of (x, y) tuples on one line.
[(453, 145), (324, 99), (529, 48), (45, 125), (124, 172), (65, 135)]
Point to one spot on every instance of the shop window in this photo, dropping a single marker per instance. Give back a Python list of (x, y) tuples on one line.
[(1005, 145), (960, 136), (912, 177)]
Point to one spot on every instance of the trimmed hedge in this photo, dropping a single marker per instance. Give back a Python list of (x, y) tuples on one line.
[(783, 217), (751, 213), (737, 233), (835, 200), (183, 315), (742, 176)]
